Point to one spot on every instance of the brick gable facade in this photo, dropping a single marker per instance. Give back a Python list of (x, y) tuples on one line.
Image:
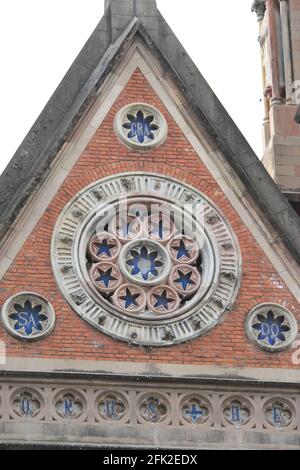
[(226, 344)]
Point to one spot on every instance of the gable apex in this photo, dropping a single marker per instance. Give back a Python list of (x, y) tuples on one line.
[(99, 57)]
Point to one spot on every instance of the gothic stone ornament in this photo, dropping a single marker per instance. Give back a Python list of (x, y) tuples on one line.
[(28, 316), (153, 408), (106, 277), (140, 126), (279, 413), (69, 404), (145, 260), (185, 279), (112, 406), (130, 298), (104, 247), (50, 402), (271, 326), (195, 409), (237, 411), (26, 403), (163, 299), (183, 250)]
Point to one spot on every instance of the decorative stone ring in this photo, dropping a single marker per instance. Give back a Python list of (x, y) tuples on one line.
[(185, 279), (145, 262), (183, 250), (104, 247), (130, 298), (106, 277), (163, 299)]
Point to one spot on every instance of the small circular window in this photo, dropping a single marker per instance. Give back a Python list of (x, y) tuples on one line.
[(28, 316), (140, 125), (271, 326)]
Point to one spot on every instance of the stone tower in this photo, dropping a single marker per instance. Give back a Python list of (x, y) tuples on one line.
[(279, 38), (149, 264)]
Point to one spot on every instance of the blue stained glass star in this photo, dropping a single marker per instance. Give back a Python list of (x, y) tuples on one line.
[(144, 262), (130, 298), (182, 250), (162, 300), (271, 328), (28, 317), (185, 279), (140, 127), (104, 247), (105, 277)]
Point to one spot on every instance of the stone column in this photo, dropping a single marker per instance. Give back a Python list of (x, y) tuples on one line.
[(274, 53), (284, 14), (259, 7)]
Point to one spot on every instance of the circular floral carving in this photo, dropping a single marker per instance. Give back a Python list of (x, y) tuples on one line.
[(237, 411), (271, 326), (140, 125), (112, 406), (26, 403), (28, 316), (166, 241), (185, 279), (153, 408), (106, 277), (69, 404), (130, 298), (163, 299), (145, 262), (104, 247), (195, 409), (279, 413)]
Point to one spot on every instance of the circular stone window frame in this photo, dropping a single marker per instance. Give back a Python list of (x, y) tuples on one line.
[(158, 119), (75, 224), (12, 300), (162, 251), (279, 309), (209, 275)]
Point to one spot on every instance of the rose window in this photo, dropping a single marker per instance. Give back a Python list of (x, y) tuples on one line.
[(144, 265), (144, 258)]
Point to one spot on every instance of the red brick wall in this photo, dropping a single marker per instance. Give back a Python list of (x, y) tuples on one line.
[(72, 337)]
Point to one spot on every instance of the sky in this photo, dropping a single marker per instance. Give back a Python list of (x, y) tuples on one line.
[(39, 40)]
